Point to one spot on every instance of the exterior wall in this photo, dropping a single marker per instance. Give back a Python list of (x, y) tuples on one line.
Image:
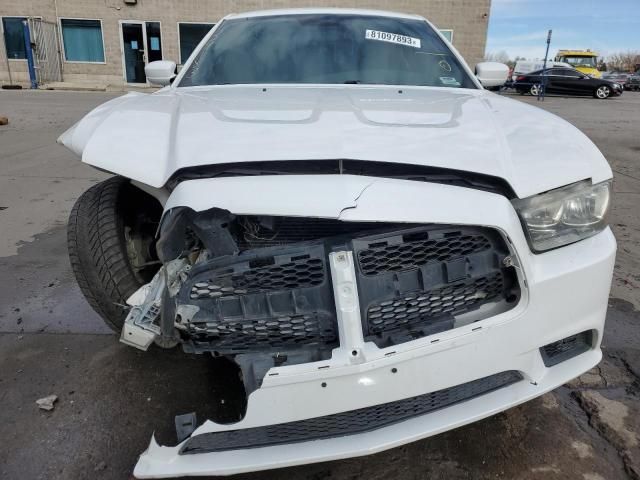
[(32, 8), (467, 18)]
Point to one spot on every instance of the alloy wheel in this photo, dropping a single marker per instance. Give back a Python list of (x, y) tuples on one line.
[(602, 92)]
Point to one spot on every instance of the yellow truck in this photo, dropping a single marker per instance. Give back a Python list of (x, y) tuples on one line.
[(585, 61)]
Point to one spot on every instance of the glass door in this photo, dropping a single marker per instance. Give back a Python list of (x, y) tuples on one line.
[(141, 44), (154, 46)]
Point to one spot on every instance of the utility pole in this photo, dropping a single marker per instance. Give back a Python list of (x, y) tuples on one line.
[(543, 88)]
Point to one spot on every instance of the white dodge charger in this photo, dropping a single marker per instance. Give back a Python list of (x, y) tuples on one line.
[(330, 201)]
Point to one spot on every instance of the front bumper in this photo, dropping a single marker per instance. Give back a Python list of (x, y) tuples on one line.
[(564, 292)]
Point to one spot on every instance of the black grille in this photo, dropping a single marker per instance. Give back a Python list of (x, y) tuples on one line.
[(302, 273), (347, 423), (410, 311), (414, 282), (258, 232), (557, 352), (239, 335), (395, 257), (274, 299)]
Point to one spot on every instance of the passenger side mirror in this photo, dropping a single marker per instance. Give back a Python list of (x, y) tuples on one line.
[(492, 74), (160, 72)]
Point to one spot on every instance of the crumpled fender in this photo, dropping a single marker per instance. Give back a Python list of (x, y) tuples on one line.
[(78, 135)]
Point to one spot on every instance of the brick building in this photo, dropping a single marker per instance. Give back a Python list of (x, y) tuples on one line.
[(108, 41)]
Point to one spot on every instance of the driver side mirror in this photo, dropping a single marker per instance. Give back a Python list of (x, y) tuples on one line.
[(492, 74), (160, 72)]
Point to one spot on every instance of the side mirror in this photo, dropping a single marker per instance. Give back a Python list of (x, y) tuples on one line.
[(160, 72), (492, 74)]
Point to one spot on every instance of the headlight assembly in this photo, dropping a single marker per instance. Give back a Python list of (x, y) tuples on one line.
[(564, 215)]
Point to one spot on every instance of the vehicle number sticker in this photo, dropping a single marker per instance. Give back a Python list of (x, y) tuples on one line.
[(450, 81), (392, 38)]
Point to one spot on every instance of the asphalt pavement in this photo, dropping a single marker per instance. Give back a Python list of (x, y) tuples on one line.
[(112, 397)]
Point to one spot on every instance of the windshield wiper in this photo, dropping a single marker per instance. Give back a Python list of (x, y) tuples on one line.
[(352, 82)]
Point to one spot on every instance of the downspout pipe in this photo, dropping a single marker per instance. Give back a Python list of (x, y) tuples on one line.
[(29, 50)]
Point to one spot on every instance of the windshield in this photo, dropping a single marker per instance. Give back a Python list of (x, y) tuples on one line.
[(326, 49), (581, 61)]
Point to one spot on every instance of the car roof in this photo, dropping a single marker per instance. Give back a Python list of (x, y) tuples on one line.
[(323, 11), (557, 67)]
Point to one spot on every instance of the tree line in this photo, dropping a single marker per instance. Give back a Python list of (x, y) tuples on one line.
[(621, 61)]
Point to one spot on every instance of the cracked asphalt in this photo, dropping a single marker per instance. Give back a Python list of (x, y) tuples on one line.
[(112, 397)]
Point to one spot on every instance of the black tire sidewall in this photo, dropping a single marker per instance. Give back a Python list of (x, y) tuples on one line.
[(98, 252)]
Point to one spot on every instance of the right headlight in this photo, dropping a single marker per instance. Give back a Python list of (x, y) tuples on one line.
[(564, 215)]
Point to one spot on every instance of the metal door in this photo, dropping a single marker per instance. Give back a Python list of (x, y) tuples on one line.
[(46, 50)]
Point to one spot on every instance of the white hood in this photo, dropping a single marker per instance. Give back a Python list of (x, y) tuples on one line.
[(149, 137)]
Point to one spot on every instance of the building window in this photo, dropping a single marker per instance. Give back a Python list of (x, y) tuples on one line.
[(82, 40), (14, 37), (190, 35), (448, 34)]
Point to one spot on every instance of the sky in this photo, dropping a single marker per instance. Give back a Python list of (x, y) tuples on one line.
[(520, 27)]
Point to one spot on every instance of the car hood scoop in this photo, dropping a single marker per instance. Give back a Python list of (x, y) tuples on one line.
[(438, 110), (148, 137)]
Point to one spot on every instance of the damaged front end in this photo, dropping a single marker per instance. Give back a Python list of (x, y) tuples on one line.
[(258, 289), (362, 313)]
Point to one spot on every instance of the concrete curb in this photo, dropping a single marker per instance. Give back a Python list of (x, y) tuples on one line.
[(74, 87), (79, 87)]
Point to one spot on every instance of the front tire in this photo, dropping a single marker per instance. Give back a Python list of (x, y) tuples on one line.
[(602, 92), (111, 245)]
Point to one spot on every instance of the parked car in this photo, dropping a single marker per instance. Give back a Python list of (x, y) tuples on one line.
[(523, 67), (633, 82), (566, 81), (617, 77), (376, 247)]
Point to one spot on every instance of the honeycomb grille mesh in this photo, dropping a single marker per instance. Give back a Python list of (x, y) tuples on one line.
[(347, 423), (408, 255), (293, 275), (412, 310), (282, 331), (567, 348)]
